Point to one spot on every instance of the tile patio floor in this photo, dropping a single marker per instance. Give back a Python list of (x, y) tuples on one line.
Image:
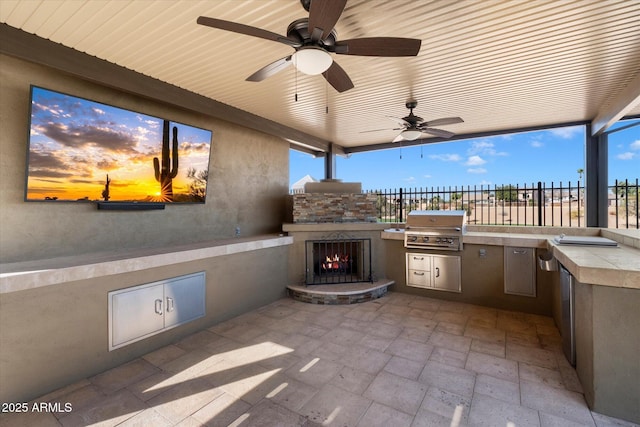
[(397, 361)]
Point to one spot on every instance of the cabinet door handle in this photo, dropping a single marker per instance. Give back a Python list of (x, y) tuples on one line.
[(421, 258), (159, 306), (516, 251), (169, 304), (418, 273), (437, 271)]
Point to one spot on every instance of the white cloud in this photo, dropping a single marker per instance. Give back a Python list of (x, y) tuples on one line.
[(566, 133), (485, 182), (484, 147), (536, 144), (426, 176), (410, 179), (446, 157), (635, 145), (475, 161), (476, 170), (626, 156)]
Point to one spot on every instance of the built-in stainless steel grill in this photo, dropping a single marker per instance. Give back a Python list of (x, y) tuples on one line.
[(440, 230)]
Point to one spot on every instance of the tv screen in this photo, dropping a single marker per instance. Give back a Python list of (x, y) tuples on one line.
[(81, 150)]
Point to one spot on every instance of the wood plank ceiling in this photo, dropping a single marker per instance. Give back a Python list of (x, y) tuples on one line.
[(497, 64)]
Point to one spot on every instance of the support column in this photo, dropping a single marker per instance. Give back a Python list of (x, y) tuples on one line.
[(596, 176), (330, 163)]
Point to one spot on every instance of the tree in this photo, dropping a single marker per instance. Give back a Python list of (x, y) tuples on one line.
[(507, 193), (580, 172), (435, 203)]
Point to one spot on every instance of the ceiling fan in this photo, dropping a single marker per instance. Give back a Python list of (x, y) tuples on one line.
[(314, 39), (412, 126)]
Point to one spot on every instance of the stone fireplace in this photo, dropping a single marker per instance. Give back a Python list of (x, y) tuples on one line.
[(333, 201), (337, 259)]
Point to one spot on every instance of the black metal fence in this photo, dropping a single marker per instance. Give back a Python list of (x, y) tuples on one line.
[(538, 204)]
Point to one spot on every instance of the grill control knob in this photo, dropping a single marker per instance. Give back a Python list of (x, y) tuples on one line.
[(425, 239), (413, 238), (438, 240)]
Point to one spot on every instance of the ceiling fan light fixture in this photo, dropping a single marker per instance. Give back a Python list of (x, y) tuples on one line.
[(312, 60), (410, 134)]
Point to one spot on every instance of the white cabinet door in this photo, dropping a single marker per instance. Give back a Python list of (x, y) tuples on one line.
[(135, 313), (184, 299), (446, 273), (520, 271)]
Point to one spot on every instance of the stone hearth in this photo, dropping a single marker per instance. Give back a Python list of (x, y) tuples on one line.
[(348, 293)]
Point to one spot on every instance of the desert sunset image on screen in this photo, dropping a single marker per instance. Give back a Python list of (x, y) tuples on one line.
[(81, 150)]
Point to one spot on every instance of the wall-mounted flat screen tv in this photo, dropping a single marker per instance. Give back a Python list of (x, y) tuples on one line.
[(81, 150)]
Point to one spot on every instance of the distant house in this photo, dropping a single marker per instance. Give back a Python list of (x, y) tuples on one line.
[(298, 186)]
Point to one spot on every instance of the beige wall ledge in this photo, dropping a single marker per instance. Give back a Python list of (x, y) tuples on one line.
[(16, 277)]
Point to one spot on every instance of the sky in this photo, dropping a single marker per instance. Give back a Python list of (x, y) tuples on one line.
[(74, 143), (553, 155)]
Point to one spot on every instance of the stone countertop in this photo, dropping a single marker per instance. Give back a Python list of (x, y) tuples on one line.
[(34, 274), (605, 266)]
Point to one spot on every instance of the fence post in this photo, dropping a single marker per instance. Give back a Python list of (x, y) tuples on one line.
[(400, 206), (540, 203)]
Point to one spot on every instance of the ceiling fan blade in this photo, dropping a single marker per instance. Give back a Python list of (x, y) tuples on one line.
[(398, 138), (337, 77), (270, 70), (445, 121), (379, 46), (399, 121), (323, 15), (376, 130), (246, 30), (438, 132)]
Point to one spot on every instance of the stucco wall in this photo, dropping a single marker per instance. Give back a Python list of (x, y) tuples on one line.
[(56, 335), (248, 181)]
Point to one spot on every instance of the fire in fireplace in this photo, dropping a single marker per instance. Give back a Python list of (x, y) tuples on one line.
[(338, 260)]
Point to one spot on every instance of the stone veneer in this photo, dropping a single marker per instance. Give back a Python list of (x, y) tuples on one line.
[(334, 207)]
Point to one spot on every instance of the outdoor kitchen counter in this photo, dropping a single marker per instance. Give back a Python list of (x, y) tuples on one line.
[(605, 266), (34, 274)]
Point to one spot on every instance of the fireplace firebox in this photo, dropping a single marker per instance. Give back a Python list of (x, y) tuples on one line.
[(338, 259)]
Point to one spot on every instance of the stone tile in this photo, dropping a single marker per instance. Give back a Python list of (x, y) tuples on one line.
[(314, 371), (221, 411), (605, 421), (384, 330), (485, 334), (511, 323), (25, 419), (342, 336), (252, 383), (555, 401), (184, 399), (451, 317), (448, 405), (201, 339), (504, 390), (79, 398), (189, 422), (424, 314), (532, 356), (379, 415), (352, 380), (404, 367), (123, 375), (276, 311), (147, 418), (452, 342), (333, 406), (153, 385), (366, 359), (397, 392), (450, 328), (390, 319), (270, 414), (164, 355), (548, 420), (448, 357), (538, 374), (490, 412), (482, 322), (487, 347), (453, 307), (416, 334), (491, 365), (110, 411), (375, 342), (428, 304), (409, 349), (526, 340), (450, 378)]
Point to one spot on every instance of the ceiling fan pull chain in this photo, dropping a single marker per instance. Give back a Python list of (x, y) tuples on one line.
[(326, 95)]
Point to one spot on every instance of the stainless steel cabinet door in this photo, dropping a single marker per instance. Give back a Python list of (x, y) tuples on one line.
[(184, 299), (446, 273), (520, 271), (135, 313)]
